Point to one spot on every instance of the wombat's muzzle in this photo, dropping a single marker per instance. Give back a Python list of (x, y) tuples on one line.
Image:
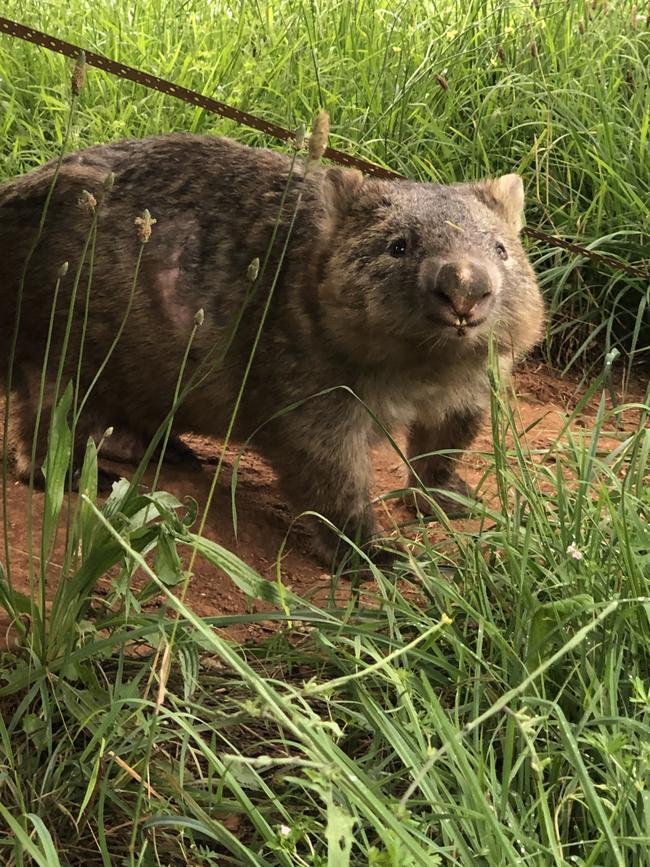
[(460, 293)]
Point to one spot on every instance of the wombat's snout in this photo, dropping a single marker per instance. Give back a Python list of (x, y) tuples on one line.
[(461, 293)]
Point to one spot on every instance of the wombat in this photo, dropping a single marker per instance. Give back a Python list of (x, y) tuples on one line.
[(384, 296)]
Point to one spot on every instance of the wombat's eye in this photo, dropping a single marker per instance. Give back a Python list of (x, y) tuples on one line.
[(397, 248), (502, 253)]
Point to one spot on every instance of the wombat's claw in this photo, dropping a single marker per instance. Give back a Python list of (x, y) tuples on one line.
[(452, 508), (381, 556), (353, 564)]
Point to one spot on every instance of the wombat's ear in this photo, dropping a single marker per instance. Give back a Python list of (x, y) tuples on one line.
[(505, 195), (340, 189)]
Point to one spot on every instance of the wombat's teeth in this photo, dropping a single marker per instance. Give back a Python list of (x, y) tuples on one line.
[(461, 322)]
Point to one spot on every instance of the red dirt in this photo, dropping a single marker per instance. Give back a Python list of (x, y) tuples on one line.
[(264, 519)]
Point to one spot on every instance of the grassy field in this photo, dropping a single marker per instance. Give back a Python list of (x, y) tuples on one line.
[(491, 707)]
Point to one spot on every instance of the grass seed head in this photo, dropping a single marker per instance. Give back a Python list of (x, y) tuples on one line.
[(501, 53), (253, 270), (442, 81), (318, 138), (63, 270), (199, 316), (78, 74), (533, 48), (109, 180), (581, 27), (634, 17), (299, 135), (87, 202), (144, 224)]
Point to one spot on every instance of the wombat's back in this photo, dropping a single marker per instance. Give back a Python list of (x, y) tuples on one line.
[(214, 203)]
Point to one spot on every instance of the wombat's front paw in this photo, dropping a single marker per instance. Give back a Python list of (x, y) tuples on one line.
[(451, 507), (382, 557), (336, 552)]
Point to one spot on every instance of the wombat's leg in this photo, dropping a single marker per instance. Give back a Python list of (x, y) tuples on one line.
[(127, 446), (333, 481), (22, 425), (22, 421), (454, 431)]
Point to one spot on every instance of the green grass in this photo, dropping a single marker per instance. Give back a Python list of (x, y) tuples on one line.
[(490, 707)]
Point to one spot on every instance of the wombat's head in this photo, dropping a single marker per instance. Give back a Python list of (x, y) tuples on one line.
[(435, 265)]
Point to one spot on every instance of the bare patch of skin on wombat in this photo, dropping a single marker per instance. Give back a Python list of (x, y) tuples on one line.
[(174, 308), (391, 289)]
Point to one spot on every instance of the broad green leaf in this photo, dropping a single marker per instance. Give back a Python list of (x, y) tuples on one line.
[(56, 466)]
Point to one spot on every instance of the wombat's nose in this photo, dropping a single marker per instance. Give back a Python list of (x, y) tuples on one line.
[(462, 291)]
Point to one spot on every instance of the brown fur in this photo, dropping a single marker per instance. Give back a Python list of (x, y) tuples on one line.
[(350, 308)]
